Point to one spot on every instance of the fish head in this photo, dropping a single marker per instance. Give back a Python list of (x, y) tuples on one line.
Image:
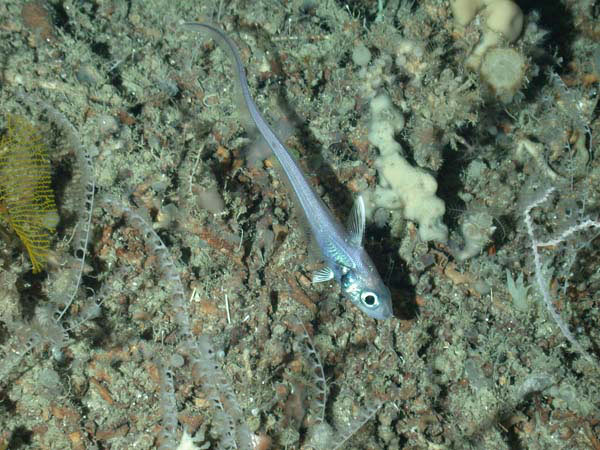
[(367, 291)]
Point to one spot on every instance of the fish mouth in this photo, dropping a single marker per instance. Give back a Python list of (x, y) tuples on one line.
[(386, 312)]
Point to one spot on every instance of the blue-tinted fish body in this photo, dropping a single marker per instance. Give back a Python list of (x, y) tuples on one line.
[(345, 258)]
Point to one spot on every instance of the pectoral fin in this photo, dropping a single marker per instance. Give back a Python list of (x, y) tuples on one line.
[(322, 275)]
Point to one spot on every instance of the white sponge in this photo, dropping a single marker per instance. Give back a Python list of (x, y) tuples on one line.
[(400, 184)]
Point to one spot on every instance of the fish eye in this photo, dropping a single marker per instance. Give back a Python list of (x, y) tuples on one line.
[(369, 298)]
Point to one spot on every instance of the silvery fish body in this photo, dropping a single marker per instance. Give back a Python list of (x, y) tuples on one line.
[(345, 259)]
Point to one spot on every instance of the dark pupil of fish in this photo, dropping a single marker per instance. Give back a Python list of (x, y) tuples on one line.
[(370, 300)]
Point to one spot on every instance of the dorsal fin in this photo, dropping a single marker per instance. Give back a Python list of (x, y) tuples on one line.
[(356, 222)]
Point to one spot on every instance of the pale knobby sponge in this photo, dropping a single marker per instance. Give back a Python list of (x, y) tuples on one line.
[(374, 75), (400, 184), (503, 21), (503, 70), (477, 231), (361, 55)]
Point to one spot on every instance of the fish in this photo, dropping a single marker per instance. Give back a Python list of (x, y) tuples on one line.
[(341, 248)]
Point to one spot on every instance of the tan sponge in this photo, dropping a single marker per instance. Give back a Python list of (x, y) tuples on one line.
[(503, 21)]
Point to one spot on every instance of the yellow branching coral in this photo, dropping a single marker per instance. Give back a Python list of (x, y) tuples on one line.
[(26, 196)]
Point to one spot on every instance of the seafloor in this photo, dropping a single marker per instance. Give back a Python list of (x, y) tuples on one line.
[(472, 357)]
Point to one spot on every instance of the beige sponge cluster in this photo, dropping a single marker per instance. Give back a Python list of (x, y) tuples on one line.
[(503, 21), (401, 185), (503, 70)]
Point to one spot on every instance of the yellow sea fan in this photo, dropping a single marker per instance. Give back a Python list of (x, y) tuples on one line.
[(26, 195)]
